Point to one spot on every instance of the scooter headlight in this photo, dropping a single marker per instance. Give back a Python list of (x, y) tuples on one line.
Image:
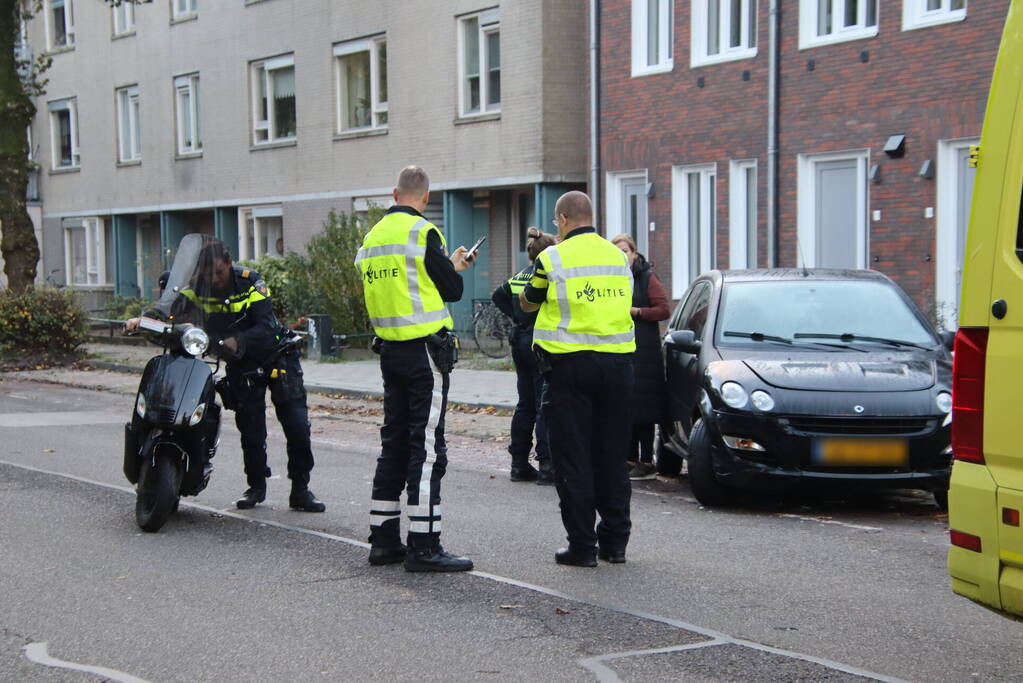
[(195, 341), (140, 406), (734, 395), (197, 414)]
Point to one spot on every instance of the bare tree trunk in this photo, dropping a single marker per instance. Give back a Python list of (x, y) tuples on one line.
[(18, 245)]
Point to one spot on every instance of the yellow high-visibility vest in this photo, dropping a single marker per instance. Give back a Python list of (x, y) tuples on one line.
[(589, 296), (403, 302)]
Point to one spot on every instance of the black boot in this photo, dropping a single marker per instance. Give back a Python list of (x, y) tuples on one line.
[(381, 555), (521, 470), (435, 560), (250, 498), (545, 475), (576, 558), (304, 500)]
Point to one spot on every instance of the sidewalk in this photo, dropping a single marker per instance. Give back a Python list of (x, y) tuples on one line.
[(481, 388)]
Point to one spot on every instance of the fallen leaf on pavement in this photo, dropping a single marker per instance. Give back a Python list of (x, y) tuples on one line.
[(558, 610), (512, 606), (49, 450)]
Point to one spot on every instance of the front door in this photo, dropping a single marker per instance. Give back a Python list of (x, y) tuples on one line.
[(634, 216), (836, 214)]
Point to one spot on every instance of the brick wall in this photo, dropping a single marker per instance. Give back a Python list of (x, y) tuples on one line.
[(929, 84)]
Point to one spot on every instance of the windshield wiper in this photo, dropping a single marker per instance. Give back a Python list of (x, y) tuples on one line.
[(758, 336), (851, 337)]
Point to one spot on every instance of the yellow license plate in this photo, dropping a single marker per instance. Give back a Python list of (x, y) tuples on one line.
[(862, 452)]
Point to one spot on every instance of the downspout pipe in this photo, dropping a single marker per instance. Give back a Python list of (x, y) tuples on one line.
[(595, 106), (772, 135)]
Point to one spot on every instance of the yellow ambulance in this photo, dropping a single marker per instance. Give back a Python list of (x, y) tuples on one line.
[(985, 559)]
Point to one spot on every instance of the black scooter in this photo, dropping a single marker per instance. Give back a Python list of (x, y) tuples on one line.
[(175, 427)]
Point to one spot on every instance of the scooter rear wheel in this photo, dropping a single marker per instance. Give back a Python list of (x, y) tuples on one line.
[(156, 496)]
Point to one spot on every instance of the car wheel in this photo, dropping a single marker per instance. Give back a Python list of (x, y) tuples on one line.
[(707, 489), (668, 463), (941, 499)]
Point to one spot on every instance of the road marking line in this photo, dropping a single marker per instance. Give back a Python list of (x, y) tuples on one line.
[(36, 652), (819, 520), (685, 626), (59, 419), (606, 675)]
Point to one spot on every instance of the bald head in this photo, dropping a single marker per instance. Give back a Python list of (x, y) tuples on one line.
[(577, 209), (413, 187)]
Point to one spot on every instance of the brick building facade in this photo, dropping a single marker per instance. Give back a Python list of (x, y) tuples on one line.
[(683, 133)]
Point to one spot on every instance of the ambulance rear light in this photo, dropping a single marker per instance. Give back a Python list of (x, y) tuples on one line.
[(962, 539), (968, 394)]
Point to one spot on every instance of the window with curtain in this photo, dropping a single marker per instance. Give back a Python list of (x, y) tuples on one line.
[(124, 18), (187, 114), (480, 63), (129, 146), (64, 128), (273, 95), (362, 84), (61, 23)]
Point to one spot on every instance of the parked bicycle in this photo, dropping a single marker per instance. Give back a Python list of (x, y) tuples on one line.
[(491, 328)]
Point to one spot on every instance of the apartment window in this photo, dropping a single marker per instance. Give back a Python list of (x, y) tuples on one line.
[(273, 100), (723, 30), (64, 133), (480, 63), (694, 218), (361, 84), (85, 251), (124, 18), (652, 36), (822, 22), (924, 13), (261, 232), (61, 19), (129, 145), (186, 105), (742, 214), (183, 9)]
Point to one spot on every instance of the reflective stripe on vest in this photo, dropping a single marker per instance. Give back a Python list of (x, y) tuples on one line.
[(519, 281), (236, 303), (428, 313), (561, 337)]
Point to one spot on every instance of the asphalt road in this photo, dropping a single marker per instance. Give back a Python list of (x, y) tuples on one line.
[(810, 589)]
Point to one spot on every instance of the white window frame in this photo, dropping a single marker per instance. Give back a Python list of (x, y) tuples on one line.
[(95, 253), (641, 37), (700, 29), (129, 139), (261, 70), (916, 15), (681, 277), (742, 237), (378, 109), (69, 104), (184, 9), (187, 85), (254, 214), (806, 233), (808, 14), (488, 23), (614, 181), (69, 24), (124, 19), (946, 294)]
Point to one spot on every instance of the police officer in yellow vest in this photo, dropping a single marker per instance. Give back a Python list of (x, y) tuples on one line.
[(406, 279), (584, 339)]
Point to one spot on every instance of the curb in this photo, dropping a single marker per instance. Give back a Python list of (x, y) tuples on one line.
[(310, 387)]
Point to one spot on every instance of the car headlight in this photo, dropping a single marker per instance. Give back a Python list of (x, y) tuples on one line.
[(140, 406), (944, 402), (195, 341), (762, 400), (733, 394), (197, 414)]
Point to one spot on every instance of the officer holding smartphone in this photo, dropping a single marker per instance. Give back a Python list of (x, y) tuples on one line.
[(407, 278)]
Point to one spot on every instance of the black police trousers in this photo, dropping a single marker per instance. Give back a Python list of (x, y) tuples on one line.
[(287, 392), (527, 415), (587, 409), (413, 453)]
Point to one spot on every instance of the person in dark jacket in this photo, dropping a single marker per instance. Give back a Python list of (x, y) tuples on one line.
[(649, 307), (529, 380)]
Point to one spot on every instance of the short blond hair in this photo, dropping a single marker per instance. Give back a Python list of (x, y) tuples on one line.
[(624, 238)]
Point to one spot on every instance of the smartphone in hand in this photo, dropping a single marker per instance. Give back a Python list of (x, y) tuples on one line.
[(471, 254)]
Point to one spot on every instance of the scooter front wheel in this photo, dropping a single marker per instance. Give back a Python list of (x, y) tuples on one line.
[(156, 497)]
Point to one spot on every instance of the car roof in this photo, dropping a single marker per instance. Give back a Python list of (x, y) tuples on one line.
[(799, 274)]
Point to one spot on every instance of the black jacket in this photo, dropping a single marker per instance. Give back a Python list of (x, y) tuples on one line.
[(648, 365)]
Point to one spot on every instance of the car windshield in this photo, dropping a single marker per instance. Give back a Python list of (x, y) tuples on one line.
[(851, 310)]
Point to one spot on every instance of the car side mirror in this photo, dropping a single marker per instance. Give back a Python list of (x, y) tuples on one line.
[(684, 341), (948, 339)]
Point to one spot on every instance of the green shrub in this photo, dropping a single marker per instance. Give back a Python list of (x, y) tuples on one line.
[(288, 280), (43, 324), (120, 307)]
